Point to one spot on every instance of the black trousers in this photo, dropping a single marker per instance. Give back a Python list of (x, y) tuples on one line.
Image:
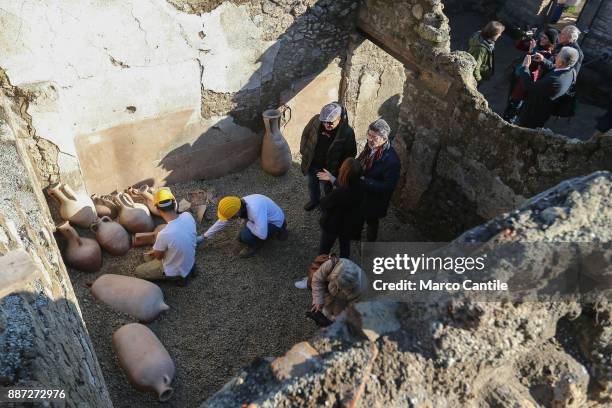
[(329, 238), (372, 230)]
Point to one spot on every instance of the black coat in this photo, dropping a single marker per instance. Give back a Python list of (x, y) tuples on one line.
[(341, 211), (542, 94), (343, 146), (378, 184)]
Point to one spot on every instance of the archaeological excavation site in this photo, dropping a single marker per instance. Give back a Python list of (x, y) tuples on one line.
[(133, 131)]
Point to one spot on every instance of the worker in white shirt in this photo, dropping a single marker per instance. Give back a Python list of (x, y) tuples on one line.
[(173, 254), (264, 217)]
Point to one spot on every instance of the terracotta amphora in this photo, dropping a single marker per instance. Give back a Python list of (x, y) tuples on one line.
[(137, 297), (76, 208), (135, 217), (145, 195), (144, 360), (275, 152), (83, 254), (111, 236), (146, 238), (105, 206)]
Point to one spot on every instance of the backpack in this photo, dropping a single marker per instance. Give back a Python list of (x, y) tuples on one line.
[(316, 264)]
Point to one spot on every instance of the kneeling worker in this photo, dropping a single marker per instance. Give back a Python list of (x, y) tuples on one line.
[(264, 217), (173, 254)]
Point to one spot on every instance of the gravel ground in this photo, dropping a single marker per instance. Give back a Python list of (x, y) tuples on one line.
[(234, 310)]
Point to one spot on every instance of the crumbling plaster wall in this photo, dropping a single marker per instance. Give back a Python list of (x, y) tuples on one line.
[(43, 339), (461, 163), (376, 88), (155, 91)]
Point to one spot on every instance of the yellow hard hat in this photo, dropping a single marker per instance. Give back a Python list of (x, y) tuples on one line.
[(228, 207), (163, 194)]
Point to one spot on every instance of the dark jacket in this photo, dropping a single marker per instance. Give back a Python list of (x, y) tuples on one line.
[(543, 94), (341, 210), (342, 147), (483, 52), (549, 64), (378, 184)]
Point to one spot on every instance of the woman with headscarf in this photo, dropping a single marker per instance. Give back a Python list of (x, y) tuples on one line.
[(336, 285)]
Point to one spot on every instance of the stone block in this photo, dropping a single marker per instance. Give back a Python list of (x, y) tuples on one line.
[(435, 82), (373, 319), (17, 270), (301, 359)]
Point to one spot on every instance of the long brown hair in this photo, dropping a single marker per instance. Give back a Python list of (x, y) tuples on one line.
[(349, 173)]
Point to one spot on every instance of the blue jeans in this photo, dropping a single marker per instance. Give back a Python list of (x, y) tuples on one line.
[(315, 186), (247, 237)]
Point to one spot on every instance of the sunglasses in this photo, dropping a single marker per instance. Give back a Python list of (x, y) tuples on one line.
[(328, 123)]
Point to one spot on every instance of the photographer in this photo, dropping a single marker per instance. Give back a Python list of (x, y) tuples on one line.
[(544, 45), (543, 95)]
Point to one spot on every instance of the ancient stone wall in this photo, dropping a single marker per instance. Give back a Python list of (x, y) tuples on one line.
[(43, 339), (461, 163), (158, 91)]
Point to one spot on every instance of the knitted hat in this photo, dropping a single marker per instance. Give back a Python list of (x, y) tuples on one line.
[(552, 34), (330, 112)]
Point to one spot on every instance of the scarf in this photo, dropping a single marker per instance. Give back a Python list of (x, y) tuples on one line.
[(367, 157)]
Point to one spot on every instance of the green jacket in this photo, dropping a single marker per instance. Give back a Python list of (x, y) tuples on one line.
[(483, 52)]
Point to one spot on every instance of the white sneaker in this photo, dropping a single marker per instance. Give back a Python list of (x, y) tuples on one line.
[(302, 283)]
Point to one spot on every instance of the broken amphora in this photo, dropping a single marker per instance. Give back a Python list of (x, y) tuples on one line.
[(144, 194), (144, 360), (275, 152), (135, 217), (111, 236), (105, 206), (83, 254), (137, 297), (147, 238), (78, 209)]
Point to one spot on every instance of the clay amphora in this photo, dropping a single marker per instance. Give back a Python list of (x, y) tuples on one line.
[(144, 360), (76, 208), (105, 206), (83, 254), (137, 297), (111, 236), (144, 194), (275, 152), (135, 217), (146, 238)]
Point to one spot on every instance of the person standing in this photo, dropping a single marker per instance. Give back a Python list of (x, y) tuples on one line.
[(326, 141), (173, 254), (568, 37), (547, 40), (381, 172), (543, 94), (264, 219), (482, 48), (340, 219)]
